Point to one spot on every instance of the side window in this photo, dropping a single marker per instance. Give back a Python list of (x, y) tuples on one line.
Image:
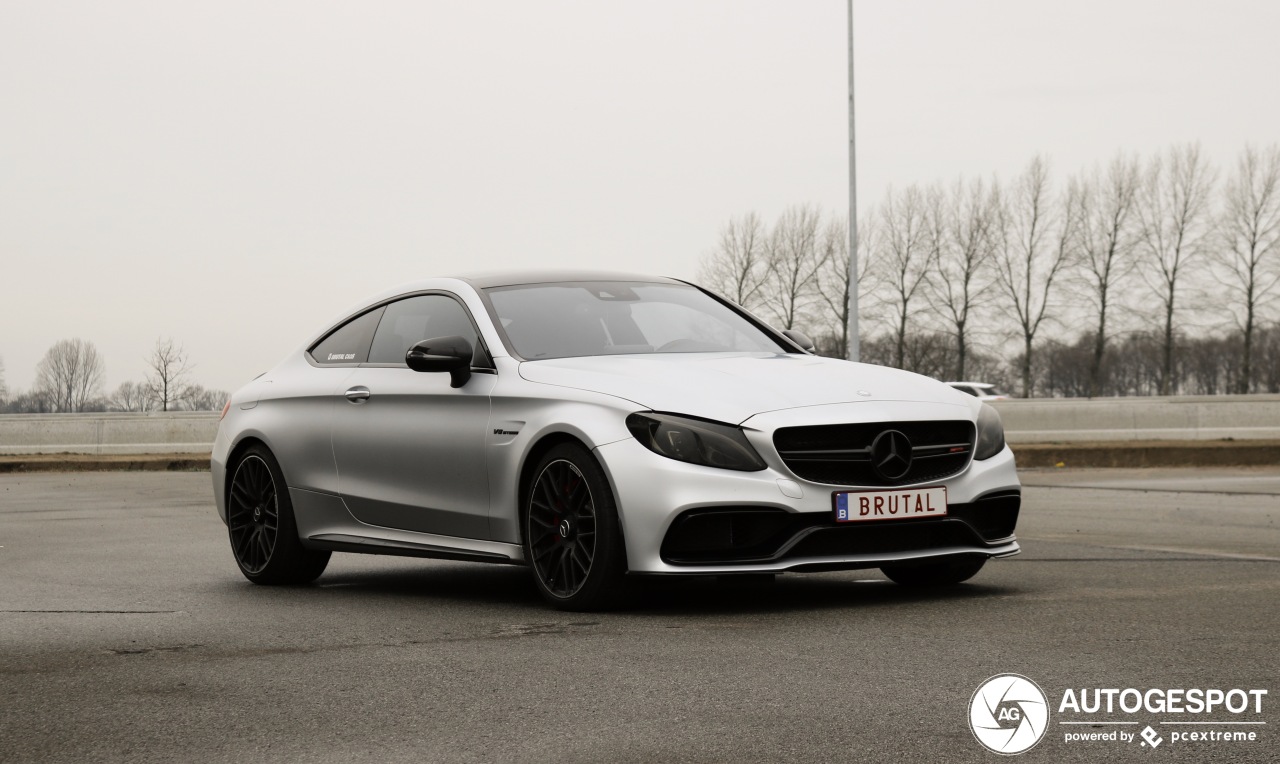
[(348, 343), (410, 321), (967, 389)]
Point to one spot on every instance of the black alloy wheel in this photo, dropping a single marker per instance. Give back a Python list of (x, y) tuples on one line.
[(262, 527), (562, 528), (253, 515), (572, 536)]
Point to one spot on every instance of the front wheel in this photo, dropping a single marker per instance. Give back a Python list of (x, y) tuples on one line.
[(935, 573), (572, 537), (261, 526)]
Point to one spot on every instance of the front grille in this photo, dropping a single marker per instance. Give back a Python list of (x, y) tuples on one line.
[(840, 454)]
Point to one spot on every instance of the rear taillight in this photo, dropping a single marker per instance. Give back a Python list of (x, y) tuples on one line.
[(225, 408)]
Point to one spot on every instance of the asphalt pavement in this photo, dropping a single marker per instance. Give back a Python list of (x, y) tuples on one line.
[(127, 634)]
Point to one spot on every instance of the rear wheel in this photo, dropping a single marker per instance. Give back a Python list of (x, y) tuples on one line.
[(935, 573), (572, 537), (261, 526)]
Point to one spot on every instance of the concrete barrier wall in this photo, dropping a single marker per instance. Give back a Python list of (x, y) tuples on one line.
[(1026, 421), (173, 433), (1188, 417)]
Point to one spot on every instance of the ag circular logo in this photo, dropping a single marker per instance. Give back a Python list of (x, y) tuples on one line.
[(1009, 714)]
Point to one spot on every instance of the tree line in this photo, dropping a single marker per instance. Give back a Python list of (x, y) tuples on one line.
[(1138, 277), (69, 378)]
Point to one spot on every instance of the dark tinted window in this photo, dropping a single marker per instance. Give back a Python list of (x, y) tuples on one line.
[(348, 343), (410, 321)]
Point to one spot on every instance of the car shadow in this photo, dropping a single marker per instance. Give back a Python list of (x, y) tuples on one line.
[(797, 592), (460, 582), (513, 586)]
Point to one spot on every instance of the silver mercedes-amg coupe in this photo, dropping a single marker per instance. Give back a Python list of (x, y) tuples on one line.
[(593, 426)]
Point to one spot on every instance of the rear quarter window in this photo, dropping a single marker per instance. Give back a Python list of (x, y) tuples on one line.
[(348, 343)]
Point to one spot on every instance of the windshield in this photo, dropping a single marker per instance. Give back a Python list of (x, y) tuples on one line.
[(587, 318)]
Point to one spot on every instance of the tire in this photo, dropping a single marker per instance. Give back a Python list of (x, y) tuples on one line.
[(572, 536), (261, 527), (944, 573)]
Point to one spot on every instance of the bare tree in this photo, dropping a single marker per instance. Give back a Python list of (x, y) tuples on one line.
[(1267, 359), (130, 396), (1173, 226), (1105, 242), (1089, 257), (1247, 262), (903, 261), (737, 268), (167, 382), (200, 399), (35, 401), (1033, 235), (795, 260), (4, 389), (70, 374), (833, 277), (961, 224)]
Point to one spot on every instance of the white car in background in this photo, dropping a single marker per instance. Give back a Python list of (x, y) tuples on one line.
[(981, 390)]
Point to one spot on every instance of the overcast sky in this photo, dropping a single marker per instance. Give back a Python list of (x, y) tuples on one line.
[(235, 174)]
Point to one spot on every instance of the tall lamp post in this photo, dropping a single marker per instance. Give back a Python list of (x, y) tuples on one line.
[(854, 349)]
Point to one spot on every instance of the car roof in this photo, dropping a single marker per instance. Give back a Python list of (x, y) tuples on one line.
[(975, 384), (485, 280), (517, 277)]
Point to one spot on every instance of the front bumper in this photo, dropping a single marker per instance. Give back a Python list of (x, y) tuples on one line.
[(657, 497), (218, 470)]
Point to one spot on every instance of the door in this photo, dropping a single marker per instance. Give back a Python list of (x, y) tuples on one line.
[(410, 449)]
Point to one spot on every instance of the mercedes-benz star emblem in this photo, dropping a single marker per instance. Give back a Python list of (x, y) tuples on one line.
[(891, 455)]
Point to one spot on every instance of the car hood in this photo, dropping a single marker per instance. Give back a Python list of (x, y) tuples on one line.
[(732, 387)]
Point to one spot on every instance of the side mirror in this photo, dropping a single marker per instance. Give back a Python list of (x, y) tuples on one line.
[(451, 354), (800, 338)]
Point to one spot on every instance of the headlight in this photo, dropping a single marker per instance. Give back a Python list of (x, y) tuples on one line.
[(695, 441), (990, 433)]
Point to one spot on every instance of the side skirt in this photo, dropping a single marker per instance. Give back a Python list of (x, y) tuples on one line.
[(341, 542)]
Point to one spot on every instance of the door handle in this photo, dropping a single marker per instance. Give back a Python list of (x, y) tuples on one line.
[(358, 394)]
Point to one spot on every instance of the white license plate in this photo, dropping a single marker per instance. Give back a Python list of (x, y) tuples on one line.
[(864, 506)]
